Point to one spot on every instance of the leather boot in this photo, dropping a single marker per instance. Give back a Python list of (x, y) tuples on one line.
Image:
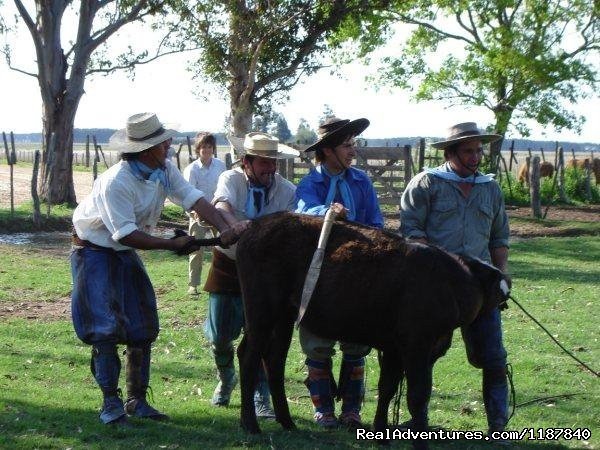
[(321, 386), (137, 372), (227, 377), (262, 397), (105, 365), (352, 390), (495, 398)]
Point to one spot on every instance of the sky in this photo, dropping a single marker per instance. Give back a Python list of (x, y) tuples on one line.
[(167, 88)]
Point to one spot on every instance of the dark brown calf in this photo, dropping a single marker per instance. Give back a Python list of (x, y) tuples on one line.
[(375, 288)]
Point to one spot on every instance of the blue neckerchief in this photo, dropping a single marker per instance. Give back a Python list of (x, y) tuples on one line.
[(339, 181), (255, 201), (445, 172), (147, 173)]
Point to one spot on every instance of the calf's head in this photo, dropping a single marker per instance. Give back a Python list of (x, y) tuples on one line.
[(495, 285)]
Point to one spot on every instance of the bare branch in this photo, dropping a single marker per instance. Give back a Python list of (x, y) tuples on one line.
[(138, 63), (429, 26)]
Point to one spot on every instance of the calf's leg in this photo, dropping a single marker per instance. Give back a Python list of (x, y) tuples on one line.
[(249, 360), (389, 378), (418, 369), (275, 362)]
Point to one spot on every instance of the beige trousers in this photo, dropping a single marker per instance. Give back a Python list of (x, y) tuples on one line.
[(196, 258)]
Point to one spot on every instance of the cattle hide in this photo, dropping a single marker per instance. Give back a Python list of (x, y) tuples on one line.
[(546, 170), (580, 164), (375, 288)]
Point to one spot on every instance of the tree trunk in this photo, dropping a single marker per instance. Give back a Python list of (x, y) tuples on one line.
[(57, 170), (241, 116)]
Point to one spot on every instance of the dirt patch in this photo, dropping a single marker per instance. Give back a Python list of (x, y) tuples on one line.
[(556, 222), (42, 311), (22, 184)]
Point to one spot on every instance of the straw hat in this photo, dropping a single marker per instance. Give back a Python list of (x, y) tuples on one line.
[(142, 132), (262, 144), (333, 129), (462, 132)]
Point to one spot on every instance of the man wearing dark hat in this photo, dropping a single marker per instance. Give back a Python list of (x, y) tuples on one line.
[(335, 184), (247, 192), (462, 210), (113, 301)]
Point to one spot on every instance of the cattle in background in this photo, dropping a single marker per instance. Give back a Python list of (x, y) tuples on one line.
[(580, 164), (546, 170), (401, 297)]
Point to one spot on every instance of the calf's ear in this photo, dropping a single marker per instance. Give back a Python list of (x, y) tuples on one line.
[(495, 284)]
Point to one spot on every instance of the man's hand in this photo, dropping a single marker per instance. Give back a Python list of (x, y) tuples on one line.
[(339, 210), (231, 235), (184, 245)]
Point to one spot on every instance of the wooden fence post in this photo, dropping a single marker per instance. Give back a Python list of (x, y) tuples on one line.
[(177, 154), (407, 165), (87, 151), (189, 144), (228, 162), (421, 154), (49, 169), (512, 154), (573, 153), (37, 215), (587, 170), (534, 188), (560, 165), (542, 152), (95, 168), (9, 161)]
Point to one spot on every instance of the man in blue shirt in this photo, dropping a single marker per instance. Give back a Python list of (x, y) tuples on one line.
[(333, 183)]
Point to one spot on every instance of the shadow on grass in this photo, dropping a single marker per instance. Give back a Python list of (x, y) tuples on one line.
[(553, 271), (25, 425)]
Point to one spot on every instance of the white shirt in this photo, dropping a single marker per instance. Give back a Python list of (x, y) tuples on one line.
[(232, 188), (122, 202), (204, 177)]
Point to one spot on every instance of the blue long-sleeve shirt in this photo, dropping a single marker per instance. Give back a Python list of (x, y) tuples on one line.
[(313, 188)]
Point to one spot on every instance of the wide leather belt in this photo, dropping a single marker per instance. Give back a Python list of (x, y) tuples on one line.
[(78, 242)]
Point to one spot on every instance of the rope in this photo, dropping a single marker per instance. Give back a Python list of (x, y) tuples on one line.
[(554, 339), (513, 395)]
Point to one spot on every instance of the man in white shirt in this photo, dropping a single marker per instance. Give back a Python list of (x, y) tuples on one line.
[(113, 301), (203, 174), (247, 192)]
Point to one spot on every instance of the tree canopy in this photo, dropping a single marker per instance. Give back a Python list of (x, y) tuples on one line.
[(257, 51), (523, 60)]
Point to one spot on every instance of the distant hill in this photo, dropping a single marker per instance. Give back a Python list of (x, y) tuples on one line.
[(103, 134)]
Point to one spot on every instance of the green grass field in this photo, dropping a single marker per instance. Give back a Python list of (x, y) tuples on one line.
[(49, 400)]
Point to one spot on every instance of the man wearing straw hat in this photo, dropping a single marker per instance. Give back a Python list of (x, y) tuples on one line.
[(333, 183), (462, 210), (247, 192), (113, 301)]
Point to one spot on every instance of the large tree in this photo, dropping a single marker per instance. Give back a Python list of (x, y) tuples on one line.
[(524, 60), (258, 50), (61, 71)]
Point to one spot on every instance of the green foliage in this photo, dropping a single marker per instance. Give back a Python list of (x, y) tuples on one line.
[(575, 182), (257, 51), (21, 220), (575, 190), (305, 135), (50, 400), (522, 60)]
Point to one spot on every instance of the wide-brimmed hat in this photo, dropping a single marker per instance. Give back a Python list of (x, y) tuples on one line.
[(142, 132), (262, 144), (333, 129), (462, 132)]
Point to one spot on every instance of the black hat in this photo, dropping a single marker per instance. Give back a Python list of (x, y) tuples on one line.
[(334, 129)]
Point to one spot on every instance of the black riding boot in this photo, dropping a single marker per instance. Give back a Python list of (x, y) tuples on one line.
[(137, 372)]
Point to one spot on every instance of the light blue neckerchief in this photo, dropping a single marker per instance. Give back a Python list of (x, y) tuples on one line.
[(446, 173), (147, 173), (339, 181), (255, 201)]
